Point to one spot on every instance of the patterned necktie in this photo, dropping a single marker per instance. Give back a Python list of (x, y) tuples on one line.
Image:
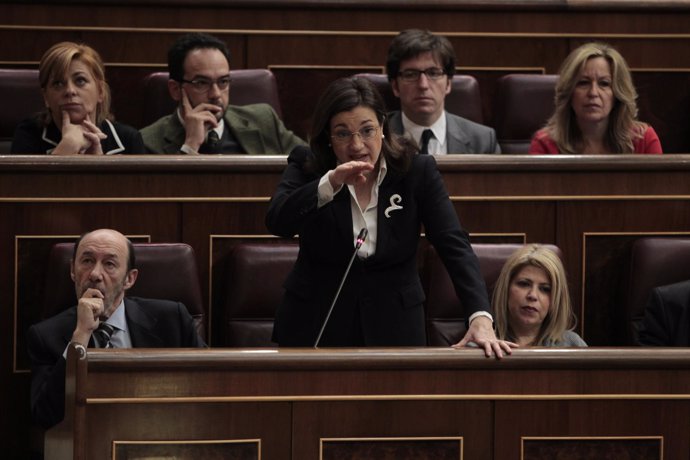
[(426, 135), (102, 335), (212, 143)]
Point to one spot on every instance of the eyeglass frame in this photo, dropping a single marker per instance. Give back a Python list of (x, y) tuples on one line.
[(209, 82), (419, 73), (343, 141)]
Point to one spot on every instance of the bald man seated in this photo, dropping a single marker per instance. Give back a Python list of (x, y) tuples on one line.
[(103, 269)]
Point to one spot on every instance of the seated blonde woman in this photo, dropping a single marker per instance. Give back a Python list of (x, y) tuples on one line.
[(77, 118), (531, 301), (596, 108)]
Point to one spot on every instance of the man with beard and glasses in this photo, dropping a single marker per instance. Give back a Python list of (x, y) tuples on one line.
[(102, 268), (204, 122)]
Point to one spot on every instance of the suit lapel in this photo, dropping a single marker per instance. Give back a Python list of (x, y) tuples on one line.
[(387, 225), (458, 142), (342, 213), (141, 326), (173, 135), (247, 135)]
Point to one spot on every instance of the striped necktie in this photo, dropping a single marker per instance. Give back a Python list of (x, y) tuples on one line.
[(102, 335), (212, 144)]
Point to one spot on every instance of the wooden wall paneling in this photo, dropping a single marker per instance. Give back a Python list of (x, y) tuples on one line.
[(499, 217), (589, 428), (633, 397), (262, 423), (552, 16), (402, 425), (14, 385), (597, 280)]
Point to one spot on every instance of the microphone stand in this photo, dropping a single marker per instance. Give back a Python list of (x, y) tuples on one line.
[(360, 240)]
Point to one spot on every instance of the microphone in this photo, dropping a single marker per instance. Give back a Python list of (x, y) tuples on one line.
[(358, 244)]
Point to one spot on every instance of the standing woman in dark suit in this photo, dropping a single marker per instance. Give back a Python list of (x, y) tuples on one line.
[(356, 176), (77, 118)]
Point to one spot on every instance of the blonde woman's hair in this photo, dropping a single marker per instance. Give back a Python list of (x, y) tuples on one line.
[(560, 317), (55, 64), (623, 126)]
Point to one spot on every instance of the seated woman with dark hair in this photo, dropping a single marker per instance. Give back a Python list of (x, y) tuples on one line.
[(77, 118), (531, 301), (359, 176), (596, 109)]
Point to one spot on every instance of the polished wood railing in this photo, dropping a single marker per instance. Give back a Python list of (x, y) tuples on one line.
[(408, 403)]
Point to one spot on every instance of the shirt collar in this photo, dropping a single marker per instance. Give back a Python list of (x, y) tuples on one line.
[(383, 169), (415, 130), (118, 318)]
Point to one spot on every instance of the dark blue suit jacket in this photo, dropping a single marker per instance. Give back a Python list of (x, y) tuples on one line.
[(152, 324), (381, 303)]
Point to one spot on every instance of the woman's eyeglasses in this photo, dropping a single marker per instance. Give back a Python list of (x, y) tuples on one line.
[(342, 136)]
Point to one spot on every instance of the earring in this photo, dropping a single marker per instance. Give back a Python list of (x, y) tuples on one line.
[(383, 136)]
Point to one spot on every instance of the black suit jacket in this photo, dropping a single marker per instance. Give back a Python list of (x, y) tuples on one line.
[(30, 137), (152, 324), (667, 316), (381, 303)]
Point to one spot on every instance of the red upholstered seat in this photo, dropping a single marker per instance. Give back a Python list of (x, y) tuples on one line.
[(166, 271), (254, 288), (249, 86), (464, 99), (523, 104), (255, 274), (21, 97)]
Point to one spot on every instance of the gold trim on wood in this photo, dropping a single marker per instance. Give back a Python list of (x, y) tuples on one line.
[(117, 442), (389, 397), (460, 439), (166, 199), (570, 198), (589, 438), (327, 67), (346, 33), (460, 70), (265, 199)]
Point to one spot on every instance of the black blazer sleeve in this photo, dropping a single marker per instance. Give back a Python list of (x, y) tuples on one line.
[(131, 139), (451, 242), (295, 198)]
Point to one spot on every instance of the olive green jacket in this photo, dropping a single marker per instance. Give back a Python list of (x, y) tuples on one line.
[(256, 128)]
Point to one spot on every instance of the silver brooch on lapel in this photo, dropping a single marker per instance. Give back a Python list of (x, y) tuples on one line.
[(394, 200)]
